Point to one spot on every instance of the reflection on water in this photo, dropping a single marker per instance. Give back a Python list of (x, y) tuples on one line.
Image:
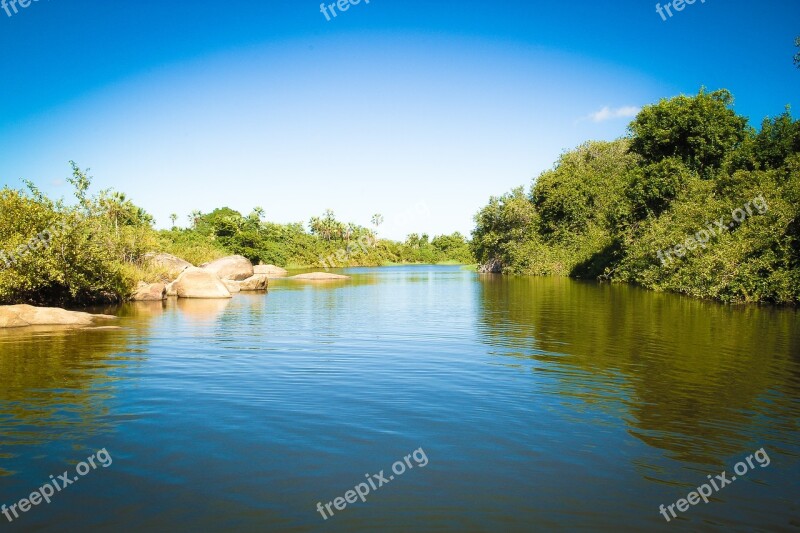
[(55, 384), (695, 378), (542, 404)]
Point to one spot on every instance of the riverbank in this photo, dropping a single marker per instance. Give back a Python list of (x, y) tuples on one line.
[(695, 201), (97, 250)]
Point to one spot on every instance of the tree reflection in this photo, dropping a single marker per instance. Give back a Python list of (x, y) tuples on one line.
[(691, 377)]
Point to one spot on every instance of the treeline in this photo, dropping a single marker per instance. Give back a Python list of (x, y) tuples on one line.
[(93, 250), (693, 200), (328, 242)]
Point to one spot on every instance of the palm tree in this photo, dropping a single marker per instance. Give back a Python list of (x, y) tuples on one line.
[(256, 216), (194, 217), (173, 217)]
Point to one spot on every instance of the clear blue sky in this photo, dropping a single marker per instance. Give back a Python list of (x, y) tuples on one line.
[(195, 105)]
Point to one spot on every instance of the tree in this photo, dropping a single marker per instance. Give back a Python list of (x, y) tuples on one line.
[(701, 130), (256, 217), (778, 139), (173, 217), (797, 55), (194, 217)]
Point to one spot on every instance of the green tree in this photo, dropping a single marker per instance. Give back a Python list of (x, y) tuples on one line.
[(700, 130), (778, 139), (797, 55)]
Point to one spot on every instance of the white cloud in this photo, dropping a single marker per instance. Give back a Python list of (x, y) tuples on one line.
[(609, 113)]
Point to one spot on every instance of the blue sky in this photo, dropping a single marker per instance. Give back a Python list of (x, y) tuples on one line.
[(389, 106)]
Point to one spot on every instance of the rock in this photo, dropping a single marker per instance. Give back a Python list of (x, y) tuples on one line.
[(15, 316), (233, 286), (318, 276), (493, 266), (271, 271), (175, 265), (234, 267), (199, 283), (151, 292), (171, 290), (257, 282)]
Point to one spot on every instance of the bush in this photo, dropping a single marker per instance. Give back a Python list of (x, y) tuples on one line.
[(607, 209)]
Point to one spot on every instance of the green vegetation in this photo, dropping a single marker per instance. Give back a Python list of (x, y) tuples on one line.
[(327, 243), (607, 208), (91, 252)]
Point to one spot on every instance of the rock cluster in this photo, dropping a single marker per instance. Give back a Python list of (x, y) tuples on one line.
[(218, 279)]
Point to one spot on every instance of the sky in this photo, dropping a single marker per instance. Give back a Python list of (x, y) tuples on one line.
[(417, 110)]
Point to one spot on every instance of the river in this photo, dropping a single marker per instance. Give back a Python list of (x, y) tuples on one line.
[(538, 404)]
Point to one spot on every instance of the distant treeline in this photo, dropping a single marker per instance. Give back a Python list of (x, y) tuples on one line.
[(92, 251), (693, 201)]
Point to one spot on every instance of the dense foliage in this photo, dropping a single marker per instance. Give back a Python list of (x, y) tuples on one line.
[(650, 208), (58, 254), (328, 242), (92, 251)]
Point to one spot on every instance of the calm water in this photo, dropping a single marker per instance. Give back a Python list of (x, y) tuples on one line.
[(540, 404)]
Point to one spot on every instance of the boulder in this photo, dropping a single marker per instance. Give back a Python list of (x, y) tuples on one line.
[(232, 286), (319, 276), (175, 265), (149, 292), (271, 271), (171, 290), (234, 267), (15, 316), (199, 283), (256, 282), (493, 266)]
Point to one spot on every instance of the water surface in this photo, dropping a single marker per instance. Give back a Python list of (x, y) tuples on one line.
[(540, 404)]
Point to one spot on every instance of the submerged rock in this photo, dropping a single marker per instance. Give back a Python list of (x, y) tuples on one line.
[(271, 271), (319, 276), (17, 316)]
